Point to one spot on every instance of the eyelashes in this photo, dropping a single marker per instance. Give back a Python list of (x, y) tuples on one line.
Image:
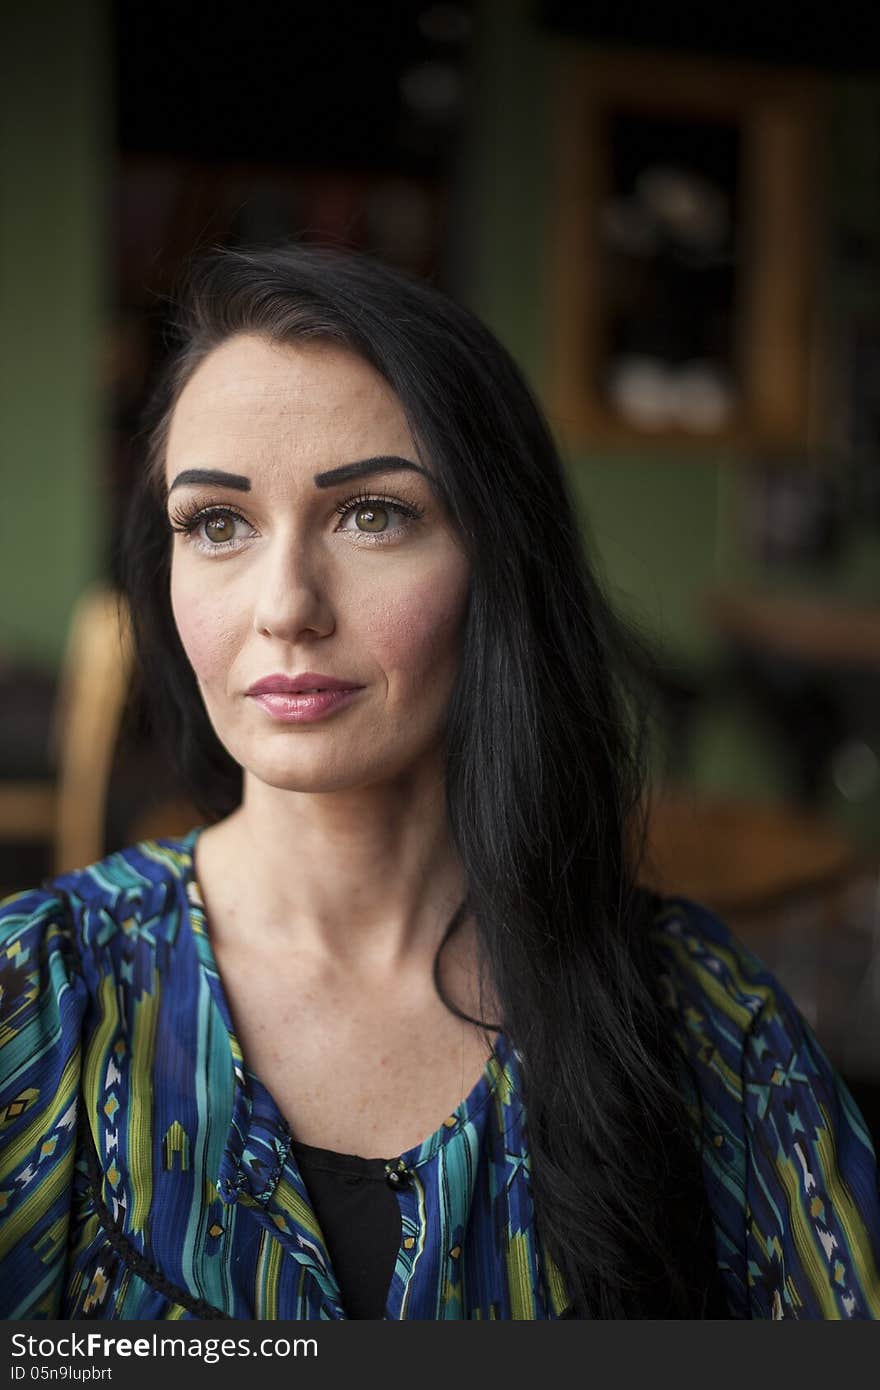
[(189, 521), (364, 500)]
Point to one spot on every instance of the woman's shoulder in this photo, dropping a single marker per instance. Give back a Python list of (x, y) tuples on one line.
[(718, 998), (134, 883), (742, 1033), (76, 957), (707, 975), (788, 1159), (61, 941)]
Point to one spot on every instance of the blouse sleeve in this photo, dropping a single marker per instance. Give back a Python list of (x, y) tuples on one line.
[(41, 1012), (812, 1205)]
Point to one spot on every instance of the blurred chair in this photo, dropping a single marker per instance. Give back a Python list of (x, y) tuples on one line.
[(734, 854), (68, 813), (810, 670)]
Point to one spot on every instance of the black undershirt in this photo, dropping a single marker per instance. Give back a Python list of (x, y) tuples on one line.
[(359, 1216)]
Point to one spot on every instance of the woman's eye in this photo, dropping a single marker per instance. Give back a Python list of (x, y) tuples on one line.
[(375, 518), (214, 530), (371, 518), (219, 528)]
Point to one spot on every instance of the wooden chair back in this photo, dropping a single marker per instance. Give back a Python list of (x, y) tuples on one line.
[(95, 679)]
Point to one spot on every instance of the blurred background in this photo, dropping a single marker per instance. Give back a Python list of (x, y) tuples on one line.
[(670, 215)]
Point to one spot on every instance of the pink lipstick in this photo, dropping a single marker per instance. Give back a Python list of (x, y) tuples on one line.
[(304, 698)]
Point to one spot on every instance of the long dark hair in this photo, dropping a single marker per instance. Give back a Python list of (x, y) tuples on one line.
[(545, 774)]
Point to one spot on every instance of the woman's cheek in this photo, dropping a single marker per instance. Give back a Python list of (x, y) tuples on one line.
[(204, 630), (418, 631)]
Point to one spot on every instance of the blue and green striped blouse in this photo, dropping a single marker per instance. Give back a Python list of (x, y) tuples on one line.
[(146, 1173)]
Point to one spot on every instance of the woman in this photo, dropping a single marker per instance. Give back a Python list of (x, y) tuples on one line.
[(396, 1035)]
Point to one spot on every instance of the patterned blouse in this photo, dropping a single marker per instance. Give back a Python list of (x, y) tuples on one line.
[(146, 1173)]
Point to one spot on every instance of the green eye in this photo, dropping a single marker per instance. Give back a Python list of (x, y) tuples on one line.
[(220, 528), (371, 518)]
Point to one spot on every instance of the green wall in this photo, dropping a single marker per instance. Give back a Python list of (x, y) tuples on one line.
[(653, 518), (662, 528), (54, 118)]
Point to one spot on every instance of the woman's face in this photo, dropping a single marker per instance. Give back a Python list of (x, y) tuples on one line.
[(283, 565)]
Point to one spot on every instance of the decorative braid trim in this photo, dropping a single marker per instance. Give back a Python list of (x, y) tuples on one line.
[(130, 1256)]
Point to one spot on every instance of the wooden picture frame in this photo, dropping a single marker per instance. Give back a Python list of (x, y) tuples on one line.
[(772, 120)]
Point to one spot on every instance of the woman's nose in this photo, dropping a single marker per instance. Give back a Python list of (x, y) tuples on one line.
[(292, 594)]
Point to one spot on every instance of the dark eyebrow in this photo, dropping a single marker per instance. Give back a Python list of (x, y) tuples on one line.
[(385, 463), (214, 477)]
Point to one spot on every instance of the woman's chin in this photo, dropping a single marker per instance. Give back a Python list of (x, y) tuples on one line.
[(311, 780)]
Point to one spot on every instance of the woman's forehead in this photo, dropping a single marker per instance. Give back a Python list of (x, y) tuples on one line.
[(250, 393)]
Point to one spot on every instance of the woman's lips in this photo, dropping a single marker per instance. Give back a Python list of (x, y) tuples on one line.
[(291, 707), (303, 684)]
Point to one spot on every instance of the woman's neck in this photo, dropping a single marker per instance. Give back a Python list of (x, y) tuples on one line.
[(368, 878)]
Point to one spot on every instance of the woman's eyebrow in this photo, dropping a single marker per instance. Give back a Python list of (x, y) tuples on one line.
[(385, 463), (213, 477)]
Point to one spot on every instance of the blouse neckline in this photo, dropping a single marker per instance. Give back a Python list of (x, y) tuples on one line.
[(496, 1072)]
